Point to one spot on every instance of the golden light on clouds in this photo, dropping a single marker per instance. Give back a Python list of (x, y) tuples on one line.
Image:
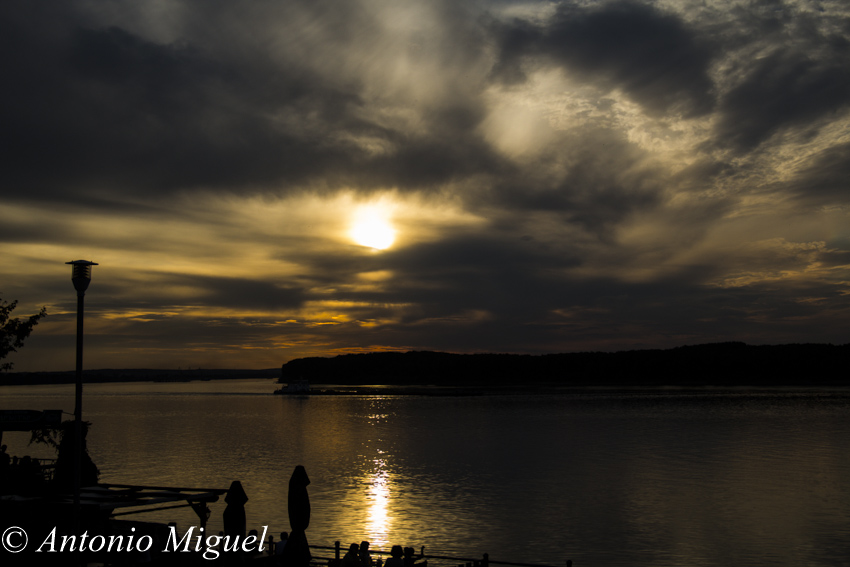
[(326, 223), (371, 227)]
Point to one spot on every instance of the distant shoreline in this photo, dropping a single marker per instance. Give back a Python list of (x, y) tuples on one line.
[(135, 375), (731, 364), (710, 365), (467, 391)]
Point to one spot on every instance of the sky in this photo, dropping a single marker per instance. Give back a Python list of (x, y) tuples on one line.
[(266, 180)]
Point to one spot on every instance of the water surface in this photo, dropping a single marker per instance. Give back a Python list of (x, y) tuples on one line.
[(603, 478)]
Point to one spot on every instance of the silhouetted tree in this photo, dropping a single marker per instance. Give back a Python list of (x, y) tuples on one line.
[(63, 476), (13, 332)]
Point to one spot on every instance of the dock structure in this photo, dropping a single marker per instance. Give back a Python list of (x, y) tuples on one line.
[(109, 496)]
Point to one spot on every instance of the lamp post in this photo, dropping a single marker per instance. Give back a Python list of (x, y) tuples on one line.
[(81, 277)]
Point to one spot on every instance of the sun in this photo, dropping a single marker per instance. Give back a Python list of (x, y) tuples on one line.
[(371, 227)]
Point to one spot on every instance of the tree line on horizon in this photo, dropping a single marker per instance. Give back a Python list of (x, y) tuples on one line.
[(714, 364)]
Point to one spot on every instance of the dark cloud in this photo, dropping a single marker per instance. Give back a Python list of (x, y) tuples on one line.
[(653, 56), (239, 293), (103, 108), (783, 90), (425, 160), (497, 273), (607, 314), (595, 178), (159, 292), (99, 108), (491, 273), (835, 258), (826, 178)]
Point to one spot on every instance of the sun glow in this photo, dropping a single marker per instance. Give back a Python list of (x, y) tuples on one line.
[(371, 227)]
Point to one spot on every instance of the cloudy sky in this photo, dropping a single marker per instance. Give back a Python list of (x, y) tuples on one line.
[(265, 180)]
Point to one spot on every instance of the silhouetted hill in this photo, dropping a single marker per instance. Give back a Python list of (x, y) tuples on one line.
[(718, 364)]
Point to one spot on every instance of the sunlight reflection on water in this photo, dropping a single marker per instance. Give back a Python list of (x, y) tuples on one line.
[(378, 524)]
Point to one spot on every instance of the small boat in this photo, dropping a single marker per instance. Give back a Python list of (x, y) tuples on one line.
[(300, 386)]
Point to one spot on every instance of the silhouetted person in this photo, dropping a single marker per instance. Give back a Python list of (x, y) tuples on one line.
[(281, 545), (410, 557), (234, 514), (5, 470), (13, 473), (29, 475), (5, 459), (365, 557), (297, 550), (396, 558), (352, 558)]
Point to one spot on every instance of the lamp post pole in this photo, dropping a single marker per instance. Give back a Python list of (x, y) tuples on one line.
[(81, 277)]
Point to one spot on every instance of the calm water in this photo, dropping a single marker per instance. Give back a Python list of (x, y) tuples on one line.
[(604, 479)]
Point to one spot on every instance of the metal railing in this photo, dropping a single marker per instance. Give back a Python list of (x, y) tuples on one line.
[(422, 558)]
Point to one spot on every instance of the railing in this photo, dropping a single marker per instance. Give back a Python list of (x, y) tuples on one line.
[(483, 561), (48, 467), (29, 474)]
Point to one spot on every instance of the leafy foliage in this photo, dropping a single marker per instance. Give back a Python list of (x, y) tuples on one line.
[(63, 476), (63, 440), (13, 332), (49, 436)]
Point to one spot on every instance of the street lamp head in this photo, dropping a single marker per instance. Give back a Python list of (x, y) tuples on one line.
[(81, 274)]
